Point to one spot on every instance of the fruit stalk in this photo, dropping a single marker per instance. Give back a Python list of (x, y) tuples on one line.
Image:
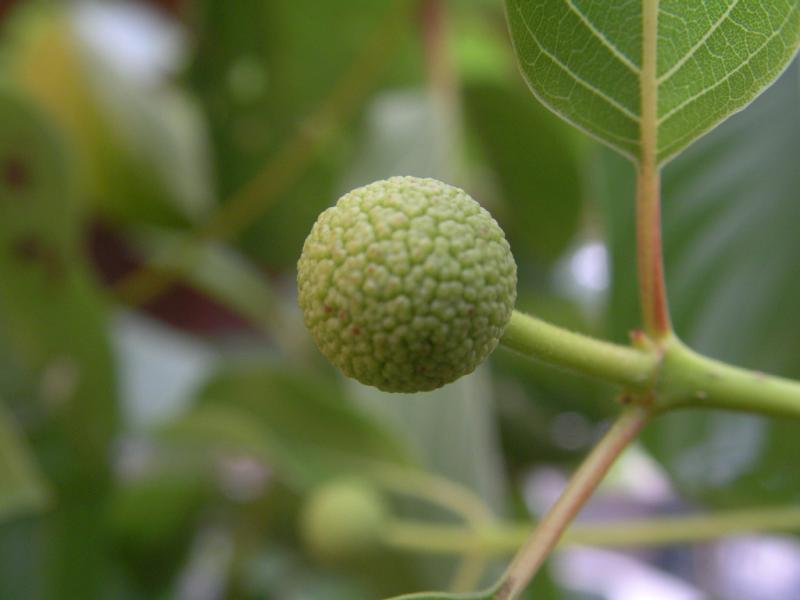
[(630, 367)]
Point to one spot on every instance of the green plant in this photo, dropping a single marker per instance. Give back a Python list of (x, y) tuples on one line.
[(167, 425), (647, 79)]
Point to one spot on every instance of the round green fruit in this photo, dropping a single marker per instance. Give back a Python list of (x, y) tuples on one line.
[(406, 284), (343, 519)]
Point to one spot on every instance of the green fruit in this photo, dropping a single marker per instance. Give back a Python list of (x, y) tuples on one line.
[(406, 284), (343, 519)]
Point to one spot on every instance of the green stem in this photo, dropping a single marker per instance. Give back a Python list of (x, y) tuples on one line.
[(672, 375), (580, 487), (629, 367), (690, 380), (501, 539), (436, 490)]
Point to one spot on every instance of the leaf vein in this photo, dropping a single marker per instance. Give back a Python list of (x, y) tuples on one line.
[(745, 64), (554, 59), (693, 50), (603, 39)]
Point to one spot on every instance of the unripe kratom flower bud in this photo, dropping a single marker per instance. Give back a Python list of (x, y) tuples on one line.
[(406, 284), (343, 519)]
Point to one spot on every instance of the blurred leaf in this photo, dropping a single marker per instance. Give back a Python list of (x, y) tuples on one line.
[(730, 226), (535, 164), (260, 75), (216, 269), (22, 488), (52, 319), (141, 145), (480, 49), (584, 61), (52, 314), (152, 520), (302, 426), (152, 509)]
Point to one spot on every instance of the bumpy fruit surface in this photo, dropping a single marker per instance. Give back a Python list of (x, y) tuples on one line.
[(343, 519), (406, 284)]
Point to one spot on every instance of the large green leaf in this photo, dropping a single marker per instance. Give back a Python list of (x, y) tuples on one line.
[(731, 247), (53, 323), (630, 73)]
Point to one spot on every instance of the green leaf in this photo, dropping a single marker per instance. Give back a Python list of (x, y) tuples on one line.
[(51, 314), (260, 76), (141, 146), (53, 322), (731, 248), (634, 73), (302, 426), (22, 488)]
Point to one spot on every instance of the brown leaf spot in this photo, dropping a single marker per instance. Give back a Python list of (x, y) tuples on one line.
[(15, 173), (31, 249)]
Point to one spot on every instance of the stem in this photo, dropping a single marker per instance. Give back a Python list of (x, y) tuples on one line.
[(630, 367), (548, 531), (652, 289), (421, 537), (431, 488), (690, 380)]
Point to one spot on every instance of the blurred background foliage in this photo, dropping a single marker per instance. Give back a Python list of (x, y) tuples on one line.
[(164, 414)]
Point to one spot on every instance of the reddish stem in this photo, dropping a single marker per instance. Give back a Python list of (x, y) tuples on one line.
[(652, 287)]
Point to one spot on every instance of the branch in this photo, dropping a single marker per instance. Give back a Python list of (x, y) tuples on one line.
[(690, 380), (626, 366), (422, 537), (583, 483)]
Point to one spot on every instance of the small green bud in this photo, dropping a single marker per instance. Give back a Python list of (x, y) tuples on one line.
[(406, 284), (343, 519)]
